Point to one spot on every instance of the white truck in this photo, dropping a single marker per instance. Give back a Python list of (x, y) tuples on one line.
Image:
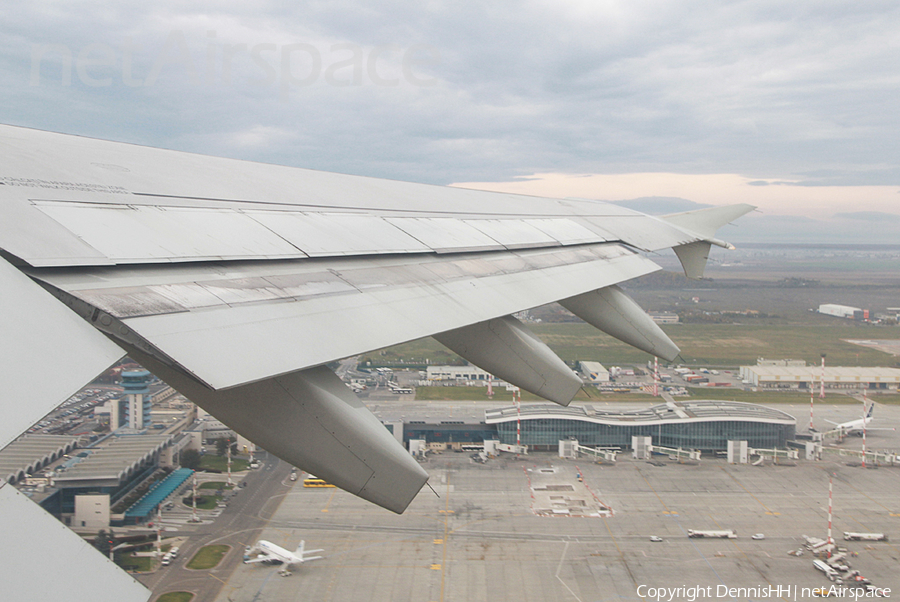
[(721, 534), (851, 536)]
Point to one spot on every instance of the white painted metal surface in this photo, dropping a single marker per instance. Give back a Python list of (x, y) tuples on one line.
[(446, 234), (43, 560), (513, 233), (693, 258), (643, 231), (567, 231), (509, 351), (615, 313), (142, 234), (329, 234), (46, 353)]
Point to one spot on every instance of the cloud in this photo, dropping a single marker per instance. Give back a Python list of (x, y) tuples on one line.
[(795, 94), (870, 216)]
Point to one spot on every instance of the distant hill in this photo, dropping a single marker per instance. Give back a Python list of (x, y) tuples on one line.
[(862, 227)]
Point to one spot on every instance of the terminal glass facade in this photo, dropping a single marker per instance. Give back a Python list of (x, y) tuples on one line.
[(708, 436)]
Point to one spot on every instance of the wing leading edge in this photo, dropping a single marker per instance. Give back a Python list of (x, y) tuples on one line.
[(235, 282)]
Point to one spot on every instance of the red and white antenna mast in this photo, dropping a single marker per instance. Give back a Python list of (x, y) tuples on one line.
[(158, 532), (194, 518), (517, 395), (230, 482), (865, 403), (655, 376), (822, 382), (830, 538), (811, 396)]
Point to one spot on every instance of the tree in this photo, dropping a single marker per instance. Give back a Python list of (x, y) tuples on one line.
[(104, 542), (222, 445), (190, 458)]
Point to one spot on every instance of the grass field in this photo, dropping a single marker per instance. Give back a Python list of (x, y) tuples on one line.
[(590, 394), (781, 396), (204, 501), (455, 393), (220, 463), (724, 345), (208, 557), (138, 564), (215, 485)]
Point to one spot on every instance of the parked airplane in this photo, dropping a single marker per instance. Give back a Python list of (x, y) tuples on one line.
[(855, 427), (268, 552)]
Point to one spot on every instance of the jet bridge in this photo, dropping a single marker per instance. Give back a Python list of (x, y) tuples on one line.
[(871, 457), (679, 453), (774, 453), (570, 448)]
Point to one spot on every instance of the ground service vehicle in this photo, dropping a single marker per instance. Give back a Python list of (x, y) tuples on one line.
[(723, 534), (851, 536), (314, 481)]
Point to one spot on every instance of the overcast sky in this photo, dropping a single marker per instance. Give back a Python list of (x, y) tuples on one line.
[(793, 106)]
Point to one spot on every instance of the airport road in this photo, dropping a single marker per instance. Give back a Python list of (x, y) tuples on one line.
[(237, 526), (481, 540)]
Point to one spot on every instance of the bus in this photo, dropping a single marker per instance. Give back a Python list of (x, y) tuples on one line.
[(314, 481)]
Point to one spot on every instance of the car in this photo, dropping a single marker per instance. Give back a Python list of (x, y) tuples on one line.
[(655, 538), (758, 536)]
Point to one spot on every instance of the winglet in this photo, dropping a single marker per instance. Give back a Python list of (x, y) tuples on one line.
[(704, 223)]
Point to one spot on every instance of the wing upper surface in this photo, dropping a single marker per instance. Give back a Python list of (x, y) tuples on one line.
[(68, 200)]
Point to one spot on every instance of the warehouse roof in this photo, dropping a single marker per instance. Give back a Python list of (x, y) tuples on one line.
[(832, 374), (116, 460), (30, 453)]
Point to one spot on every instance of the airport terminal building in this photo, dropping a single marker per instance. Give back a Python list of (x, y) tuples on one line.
[(703, 425)]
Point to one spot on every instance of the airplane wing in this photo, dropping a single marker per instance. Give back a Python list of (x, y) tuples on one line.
[(302, 553), (237, 282), (262, 557), (308, 558)]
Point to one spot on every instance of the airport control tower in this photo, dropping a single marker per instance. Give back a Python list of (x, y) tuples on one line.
[(137, 398)]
